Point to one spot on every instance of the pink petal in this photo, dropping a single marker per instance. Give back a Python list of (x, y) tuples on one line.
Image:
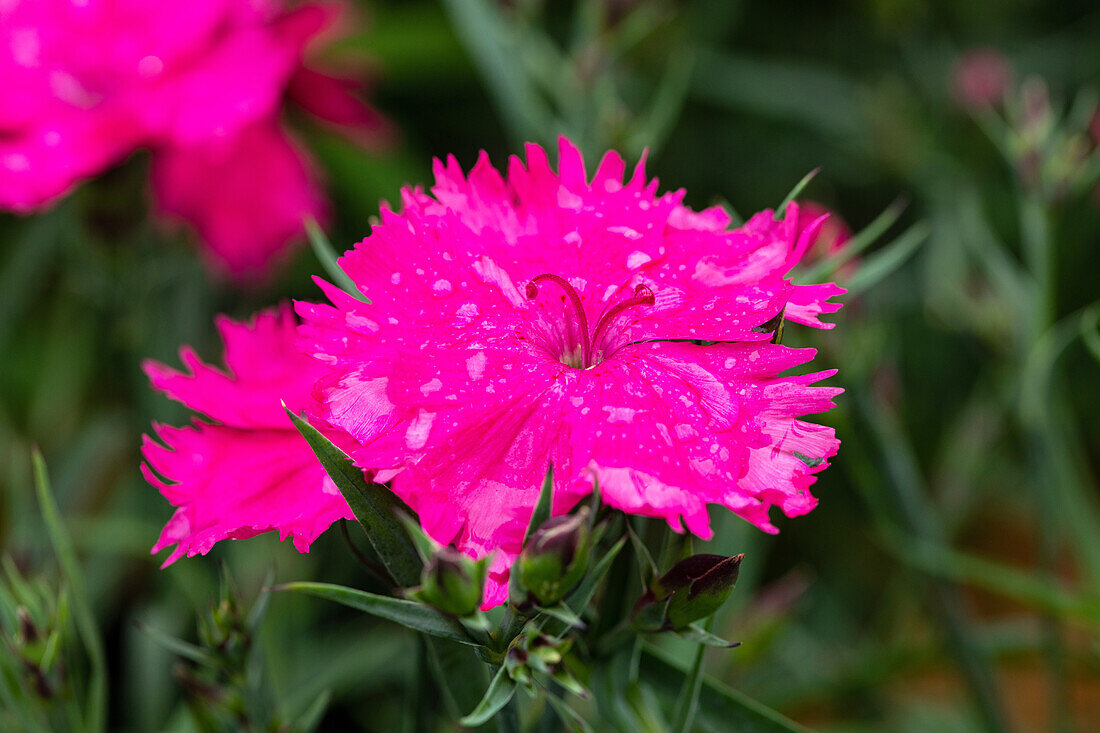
[(233, 483), (265, 189)]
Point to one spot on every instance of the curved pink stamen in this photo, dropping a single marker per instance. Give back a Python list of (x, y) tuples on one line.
[(574, 298), (642, 296)]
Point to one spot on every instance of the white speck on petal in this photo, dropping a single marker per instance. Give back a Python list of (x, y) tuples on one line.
[(637, 258), (475, 365), (416, 437), (620, 414), (395, 278), (442, 287), (626, 232), (432, 386)]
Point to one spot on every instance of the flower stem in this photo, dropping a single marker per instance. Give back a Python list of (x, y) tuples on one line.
[(1041, 447)]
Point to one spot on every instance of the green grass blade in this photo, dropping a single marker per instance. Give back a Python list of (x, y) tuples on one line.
[(882, 263), (495, 51), (327, 256), (857, 244), (96, 711)]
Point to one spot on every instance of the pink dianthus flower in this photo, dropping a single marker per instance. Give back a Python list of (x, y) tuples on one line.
[(247, 470), (541, 318), (199, 83)]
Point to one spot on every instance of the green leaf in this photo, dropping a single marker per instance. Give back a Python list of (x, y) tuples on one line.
[(699, 635), (580, 597), (883, 262), (495, 50), (500, 691), (569, 717), (327, 256), (96, 709), (721, 707), (308, 721), (781, 211), (374, 506), (854, 246), (412, 615), (178, 647), (563, 613)]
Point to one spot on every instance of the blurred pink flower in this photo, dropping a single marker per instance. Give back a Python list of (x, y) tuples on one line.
[(247, 471), (86, 84), (981, 78), (540, 318)]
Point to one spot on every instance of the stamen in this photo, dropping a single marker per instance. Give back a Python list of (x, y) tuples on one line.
[(574, 298), (642, 296)]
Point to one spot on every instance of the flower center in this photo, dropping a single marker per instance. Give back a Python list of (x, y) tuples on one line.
[(574, 344)]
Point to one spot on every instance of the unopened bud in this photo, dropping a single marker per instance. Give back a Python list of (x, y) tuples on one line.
[(981, 79), (555, 558), (453, 583), (693, 589)]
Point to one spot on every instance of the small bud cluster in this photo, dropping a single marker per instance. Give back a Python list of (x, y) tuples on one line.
[(1053, 155)]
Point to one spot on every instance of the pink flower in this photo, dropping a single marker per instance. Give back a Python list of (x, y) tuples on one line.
[(540, 318), (247, 471), (265, 188), (981, 78), (86, 84)]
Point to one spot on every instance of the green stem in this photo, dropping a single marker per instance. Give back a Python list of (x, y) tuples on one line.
[(1041, 451), (688, 702)]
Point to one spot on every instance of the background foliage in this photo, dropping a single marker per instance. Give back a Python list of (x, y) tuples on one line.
[(949, 580)]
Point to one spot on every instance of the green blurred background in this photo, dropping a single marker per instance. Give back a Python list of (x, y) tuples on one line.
[(950, 578)]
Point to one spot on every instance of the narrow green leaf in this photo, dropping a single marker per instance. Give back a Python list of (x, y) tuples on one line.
[(308, 721), (721, 707), (699, 635), (781, 211), (883, 262), (259, 609), (563, 613), (580, 597), (327, 256), (496, 697), (374, 506), (96, 709), (178, 647), (495, 50), (569, 717), (857, 244), (412, 615), (544, 505)]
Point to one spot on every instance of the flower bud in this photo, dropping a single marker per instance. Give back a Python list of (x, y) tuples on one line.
[(453, 583), (981, 79), (555, 558), (693, 589)]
